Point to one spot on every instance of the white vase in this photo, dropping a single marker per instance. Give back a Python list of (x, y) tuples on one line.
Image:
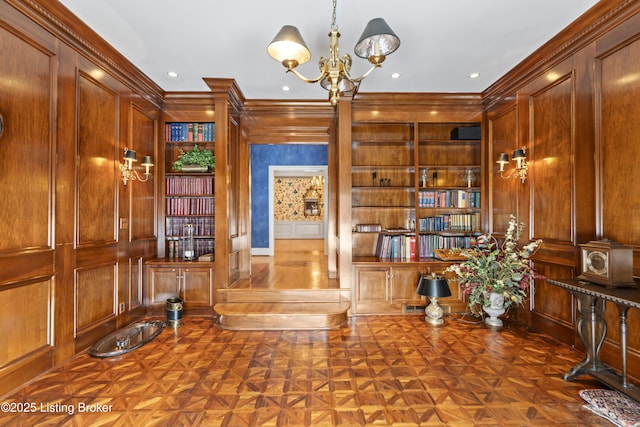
[(494, 308)]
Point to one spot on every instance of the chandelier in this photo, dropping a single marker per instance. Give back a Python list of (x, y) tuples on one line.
[(376, 42)]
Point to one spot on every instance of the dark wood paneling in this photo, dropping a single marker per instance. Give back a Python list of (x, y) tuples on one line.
[(95, 296), (503, 138), (97, 135), (26, 320), (618, 152), (143, 139), (26, 90), (551, 161)]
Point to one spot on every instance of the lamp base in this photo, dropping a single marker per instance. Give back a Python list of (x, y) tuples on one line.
[(434, 322), (433, 313)]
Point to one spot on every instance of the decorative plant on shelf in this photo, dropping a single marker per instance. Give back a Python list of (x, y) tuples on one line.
[(492, 268), (194, 157)]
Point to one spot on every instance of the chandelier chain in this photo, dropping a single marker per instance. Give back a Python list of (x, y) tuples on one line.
[(334, 26)]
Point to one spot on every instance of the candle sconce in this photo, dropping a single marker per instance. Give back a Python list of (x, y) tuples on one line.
[(522, 166)]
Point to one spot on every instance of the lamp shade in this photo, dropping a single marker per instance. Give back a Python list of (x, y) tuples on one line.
[(289, 48), (345, 86), (147, 161), (518, 154), (431, 285), (131, 155), (377, 39), (504, 158)]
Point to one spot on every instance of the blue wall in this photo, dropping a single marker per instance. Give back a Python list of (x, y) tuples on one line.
[(263, 156)]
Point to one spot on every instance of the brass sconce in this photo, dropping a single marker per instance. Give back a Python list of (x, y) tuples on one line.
[(128, 172), (522, 166)]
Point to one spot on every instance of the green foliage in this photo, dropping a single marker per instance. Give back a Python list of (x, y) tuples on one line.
[(196, 156)]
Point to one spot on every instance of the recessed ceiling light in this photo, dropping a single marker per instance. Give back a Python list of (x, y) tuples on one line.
[(395, 75), (285, 88), (172, 74), (474, 75)]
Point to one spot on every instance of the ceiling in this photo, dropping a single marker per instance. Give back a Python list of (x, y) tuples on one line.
[(442, 42)]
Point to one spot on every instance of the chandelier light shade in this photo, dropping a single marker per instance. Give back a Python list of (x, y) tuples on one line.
[(289, 48), (376, 42)]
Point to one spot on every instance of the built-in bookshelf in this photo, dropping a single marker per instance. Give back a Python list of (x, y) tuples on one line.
[(449, 195), (415, 188), (189, 197), (189, 200)]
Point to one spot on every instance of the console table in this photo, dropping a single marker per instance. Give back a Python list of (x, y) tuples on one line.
[(592, 329)]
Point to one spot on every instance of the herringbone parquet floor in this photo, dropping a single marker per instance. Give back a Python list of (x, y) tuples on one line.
[(384, 371)]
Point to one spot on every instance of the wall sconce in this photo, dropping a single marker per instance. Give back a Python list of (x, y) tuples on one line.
[(434, 287), (128, 173), (522, 166)]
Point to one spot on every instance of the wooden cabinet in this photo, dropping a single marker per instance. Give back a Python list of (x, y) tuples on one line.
[(190, 281), (388, 288)]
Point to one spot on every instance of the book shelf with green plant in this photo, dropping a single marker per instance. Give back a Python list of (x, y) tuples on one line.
[(189, 186)]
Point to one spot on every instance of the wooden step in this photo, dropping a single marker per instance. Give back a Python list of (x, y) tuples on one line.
[(281, 309), (281, 295)]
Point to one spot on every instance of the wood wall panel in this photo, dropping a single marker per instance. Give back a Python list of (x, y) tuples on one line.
[(550, 157), (95, 295), (142, 200), (619, 153), (26, 320), (96, 142), (503, 138), (26, 89)]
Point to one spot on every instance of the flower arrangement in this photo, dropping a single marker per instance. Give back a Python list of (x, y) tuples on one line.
[(493, 268)]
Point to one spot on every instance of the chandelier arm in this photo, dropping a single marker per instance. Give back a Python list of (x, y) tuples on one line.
[(322, 75), (362, 77)]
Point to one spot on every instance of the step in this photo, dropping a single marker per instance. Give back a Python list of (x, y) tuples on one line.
[(280, 295), (289, 315)]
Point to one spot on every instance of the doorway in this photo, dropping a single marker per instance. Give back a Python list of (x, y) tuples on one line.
[(290, 260), (287, 224)]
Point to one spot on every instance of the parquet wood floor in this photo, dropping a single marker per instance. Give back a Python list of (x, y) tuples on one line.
[(376, 370)]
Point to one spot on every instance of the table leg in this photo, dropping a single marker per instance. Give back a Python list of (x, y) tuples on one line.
[(592, 329), (622, 311)]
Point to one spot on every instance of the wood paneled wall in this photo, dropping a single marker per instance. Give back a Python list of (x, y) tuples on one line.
[(66, 264), (573, 105), (72, 103)]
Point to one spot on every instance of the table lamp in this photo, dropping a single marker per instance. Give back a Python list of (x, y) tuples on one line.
[(434, 287)]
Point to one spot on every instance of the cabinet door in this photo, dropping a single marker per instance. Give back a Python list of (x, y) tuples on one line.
[(372, 289), (164, 284), (196, 285), (404, 282)]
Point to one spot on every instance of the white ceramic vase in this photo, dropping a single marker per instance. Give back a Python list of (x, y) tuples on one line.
[(494, 308)]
